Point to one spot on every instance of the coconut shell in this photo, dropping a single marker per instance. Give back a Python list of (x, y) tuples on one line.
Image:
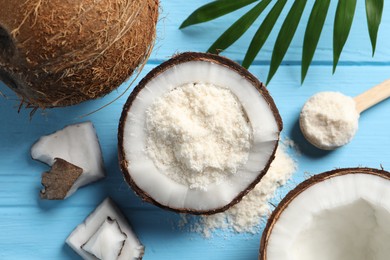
[(63, 52), (59, 180), (302, 187), (178, 59)]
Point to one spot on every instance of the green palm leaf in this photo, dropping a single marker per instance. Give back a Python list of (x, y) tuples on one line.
[(238, 28), (342, 25), (285, 36), (312, 34), (374, 10), (214, 10), (262, 33), (345, 12)]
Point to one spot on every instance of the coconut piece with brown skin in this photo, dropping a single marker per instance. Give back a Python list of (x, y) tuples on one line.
[(62, 52), (76, 144), (106, 232), (59, 180), (193, 134), (342, 214)]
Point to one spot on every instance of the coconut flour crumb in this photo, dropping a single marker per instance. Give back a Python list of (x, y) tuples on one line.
[(246, 215), (329, 120), (197, 134)]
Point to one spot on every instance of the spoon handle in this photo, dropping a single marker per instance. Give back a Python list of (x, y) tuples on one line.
[(372, 96)]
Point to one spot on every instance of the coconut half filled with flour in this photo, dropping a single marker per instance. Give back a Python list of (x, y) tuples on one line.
[(197, 133), (339, 215)]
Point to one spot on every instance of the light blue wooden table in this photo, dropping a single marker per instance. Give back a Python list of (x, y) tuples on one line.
[(34, 229)]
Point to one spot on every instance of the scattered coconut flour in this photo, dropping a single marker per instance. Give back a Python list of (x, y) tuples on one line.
[(329, 120), (198, 134), (245, 216)]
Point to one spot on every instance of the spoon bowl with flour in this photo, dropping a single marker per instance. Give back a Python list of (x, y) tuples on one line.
[(329, 120)]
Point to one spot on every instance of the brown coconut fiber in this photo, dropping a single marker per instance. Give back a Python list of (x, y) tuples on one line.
[(63, 52)]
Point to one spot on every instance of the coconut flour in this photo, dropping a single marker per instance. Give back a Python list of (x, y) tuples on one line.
[(329, 120), (246, 215), (197, 134)]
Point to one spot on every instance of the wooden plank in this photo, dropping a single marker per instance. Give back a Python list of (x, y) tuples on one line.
[(199, 37), (43, 236), (37, 229)]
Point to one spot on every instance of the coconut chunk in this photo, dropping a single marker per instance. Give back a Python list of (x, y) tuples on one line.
[(339, 215), (107, 242), (77, 144), (59, 180), (92, 232), (203, 117)]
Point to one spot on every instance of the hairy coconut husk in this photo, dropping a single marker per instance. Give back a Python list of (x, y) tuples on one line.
[(62, 52)]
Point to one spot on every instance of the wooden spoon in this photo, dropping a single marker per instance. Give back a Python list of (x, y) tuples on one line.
[(332, 133), (372, 96)]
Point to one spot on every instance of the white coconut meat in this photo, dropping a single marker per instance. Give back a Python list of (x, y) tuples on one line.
[(345, 217), (95, 237), (107, 242), (166, 190), (77, 144)]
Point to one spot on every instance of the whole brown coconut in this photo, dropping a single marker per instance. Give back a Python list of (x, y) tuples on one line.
[(62, 52)]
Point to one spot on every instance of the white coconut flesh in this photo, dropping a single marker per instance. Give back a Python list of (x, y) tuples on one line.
[(346, 217), (107, 242), (164, 189), (77, 144), (93, 231)]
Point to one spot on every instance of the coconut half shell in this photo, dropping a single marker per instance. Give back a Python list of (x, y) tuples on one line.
[(155, 187), (325, 211), (62, 52)]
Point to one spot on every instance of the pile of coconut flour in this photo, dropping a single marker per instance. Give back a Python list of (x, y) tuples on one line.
[(198, 134), (246, 215)]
